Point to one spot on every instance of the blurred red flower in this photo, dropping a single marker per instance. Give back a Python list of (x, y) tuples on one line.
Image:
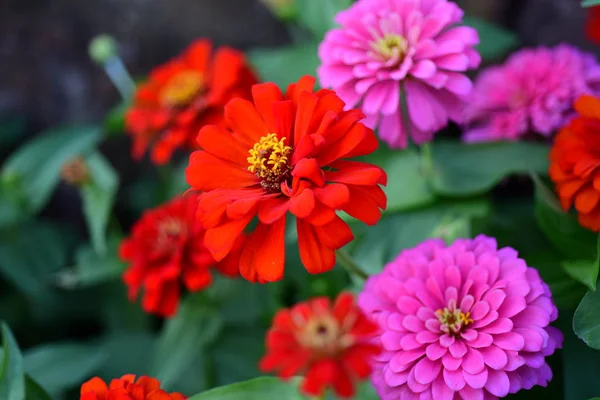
[(592, 29), (166, 251), (126, 388), (328, 345), (279, 154), (183, 95), (575, 163)]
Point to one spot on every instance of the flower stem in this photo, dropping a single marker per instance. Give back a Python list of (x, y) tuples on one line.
[(120, 77), (346, 261)]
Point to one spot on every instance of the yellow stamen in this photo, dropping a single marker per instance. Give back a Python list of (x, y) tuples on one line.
[(182, 88), (389, 46), (269, 157), (453, 321)]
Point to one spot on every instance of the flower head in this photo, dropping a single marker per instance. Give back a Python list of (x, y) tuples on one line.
[(383, 46), (75, 171), (183, 95), (533, 92), (285, 153), (328, 345), (465, 321), (126, 388), (592, 28), (166, 250), (574, 162)]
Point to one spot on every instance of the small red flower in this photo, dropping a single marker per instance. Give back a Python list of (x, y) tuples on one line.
[(183, 95), (165, 250), (575, 163), (126, 388), (592, 29), (279, 154), (328, 345)]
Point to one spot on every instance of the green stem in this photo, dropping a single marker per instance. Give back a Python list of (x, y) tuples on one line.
[(346, 261)]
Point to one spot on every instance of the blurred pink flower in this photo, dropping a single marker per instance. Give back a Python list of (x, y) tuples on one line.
[(465, 321), (533, 92), (383, 43)]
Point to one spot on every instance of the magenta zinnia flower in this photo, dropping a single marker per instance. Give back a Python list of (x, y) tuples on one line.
[(383, 43), (466, 321), (533, 92)]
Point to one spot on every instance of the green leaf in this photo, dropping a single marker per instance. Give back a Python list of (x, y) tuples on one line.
[(128, 352), (114, 123), (237, 352), (92, 268), (396, 232), (98, 198), (318, 15), (254, 389), (470, 169), (581, 365), (33, 391), (31, 254), (407, 187), (12, 378), (184, 337), (583, 271), (285, 65), (60, 366), (494, 41), (38, 163), (590, 3), (586, 322), (562, 228)]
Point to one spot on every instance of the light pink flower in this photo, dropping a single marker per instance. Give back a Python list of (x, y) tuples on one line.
[(533, 92), (466, 321), (385, 43)]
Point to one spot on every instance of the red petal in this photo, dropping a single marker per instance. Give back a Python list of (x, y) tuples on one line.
[(197, 55), (321, 215), (264, 255), (206, 172), (148, 384), (158, 395), (362, 207), (221, 143), (309, 169), (333, 195), (319, 376), (243, 118), (302, 204), (264, 96), (305, 84), (342, 385), (344, 304), (196, 278), (306, 106), (241, 207), (230, 265), (316, 257), (95, 385), (588, 106), (220, 239), (227, 66), (357, 359), (272, 210), (335, 234), (345, 121), (356, 173), (283, 119)]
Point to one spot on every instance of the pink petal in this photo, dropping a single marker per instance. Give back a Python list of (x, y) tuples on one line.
[(450, 362), (512, 306), (497, 383), (473, 362), (423, 69), (458, 349), (454, 379), (501, 325), (476, 381), (434, 351), (426, 371), (494, 357), (509, 341)]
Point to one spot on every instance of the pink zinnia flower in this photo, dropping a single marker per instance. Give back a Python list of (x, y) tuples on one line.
[(466, 321), (533, 92), (385, 43)]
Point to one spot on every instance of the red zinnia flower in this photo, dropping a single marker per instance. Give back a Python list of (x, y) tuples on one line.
[(166, 249), (575, 163), (592, 29), (183, 95), (279, 154), (126, 388), (328, 345)]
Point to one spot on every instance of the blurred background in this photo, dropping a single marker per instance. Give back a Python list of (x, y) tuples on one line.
[(47, 79)]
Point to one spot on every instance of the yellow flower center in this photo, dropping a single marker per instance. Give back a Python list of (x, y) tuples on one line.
[(182, 88), (390, 46), (269, 161), (324, 335), (453, 320)]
